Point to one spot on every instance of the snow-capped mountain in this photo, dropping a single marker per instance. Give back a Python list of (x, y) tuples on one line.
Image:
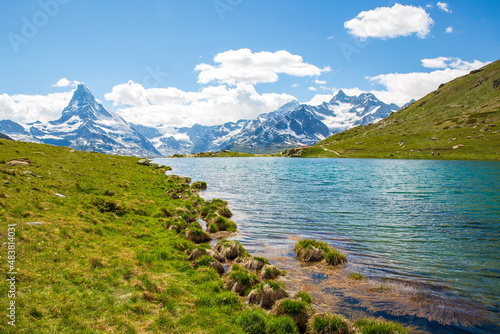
[(84, 125), (292, 125), (87, 125)]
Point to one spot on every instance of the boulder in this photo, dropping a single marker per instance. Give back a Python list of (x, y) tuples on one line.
[(266, 296), (19, 162), (144, 162)]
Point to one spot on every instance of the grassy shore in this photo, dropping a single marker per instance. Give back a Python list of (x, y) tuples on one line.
[(101, 246)]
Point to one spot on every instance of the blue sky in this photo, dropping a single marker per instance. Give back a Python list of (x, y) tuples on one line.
[(153, 61)]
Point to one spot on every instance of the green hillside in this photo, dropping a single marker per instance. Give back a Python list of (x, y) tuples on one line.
[(460, 120)]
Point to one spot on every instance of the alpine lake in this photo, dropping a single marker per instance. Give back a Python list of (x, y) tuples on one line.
[(423, 234)]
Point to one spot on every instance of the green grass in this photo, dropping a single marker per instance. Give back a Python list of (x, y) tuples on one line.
[(326, 323), (304, 296), (332, 255), (377, 326), (282, 325), (357, 276), (103, 260), (465, 111)]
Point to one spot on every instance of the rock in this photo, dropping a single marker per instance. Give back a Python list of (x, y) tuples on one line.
[(35, 223), (311, 254), (269, 272), (216, 256), (144, 162), (457, 146), (195, 254), (197, 236), (253, 264), (19, 162), (59, 195), (293, 152), (266, 297)]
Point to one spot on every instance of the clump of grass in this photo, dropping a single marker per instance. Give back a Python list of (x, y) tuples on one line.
[(379, 326), (212, 228), (357, 276), (304, 296), (261, 259), (240, 280), (312, 250), (326, 323), (253, 321), (281, 325), (200, 185), (299, 311)]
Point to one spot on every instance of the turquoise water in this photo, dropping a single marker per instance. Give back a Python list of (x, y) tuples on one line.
[(435, 223)]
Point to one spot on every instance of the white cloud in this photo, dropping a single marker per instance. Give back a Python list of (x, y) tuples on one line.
[(31, 108), (330, 37), (295, 85), (65, 83), (449, 30), (390, 22), (212, 105), (444, 7), (313, 89), (400, 88), (319, 82), (244, 66), (453, 63)]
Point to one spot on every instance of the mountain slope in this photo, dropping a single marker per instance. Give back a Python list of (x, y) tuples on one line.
[(459, 120), (2, 136), (85, 125)]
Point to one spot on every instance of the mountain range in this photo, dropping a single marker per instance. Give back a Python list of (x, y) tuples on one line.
[(86, 125)]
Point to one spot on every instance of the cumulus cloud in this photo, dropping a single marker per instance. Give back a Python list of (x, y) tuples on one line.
[(31, 108), (444, 7), (209, 106), (244, 66), (400, 88), (65, 83), (390, 22), (449, 30)]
